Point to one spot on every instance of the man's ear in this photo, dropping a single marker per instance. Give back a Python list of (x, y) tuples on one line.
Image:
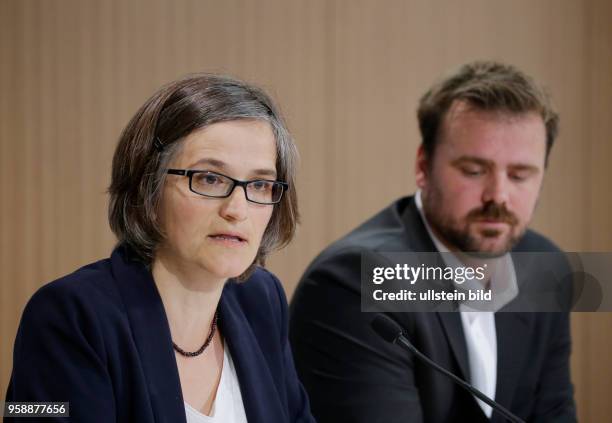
[(421, 168)]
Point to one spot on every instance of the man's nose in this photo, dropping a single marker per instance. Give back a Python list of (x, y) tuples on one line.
[(496, 189)]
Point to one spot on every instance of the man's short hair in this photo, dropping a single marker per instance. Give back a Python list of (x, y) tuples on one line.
[(487, 86), (156, 133)]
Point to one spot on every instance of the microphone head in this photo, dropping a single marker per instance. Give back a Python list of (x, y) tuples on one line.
[(386, 327)]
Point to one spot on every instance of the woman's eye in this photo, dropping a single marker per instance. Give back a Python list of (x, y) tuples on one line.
[(261, 185), (209, 179)]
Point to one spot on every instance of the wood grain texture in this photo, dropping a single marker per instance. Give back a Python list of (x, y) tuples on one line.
[(347, 74)]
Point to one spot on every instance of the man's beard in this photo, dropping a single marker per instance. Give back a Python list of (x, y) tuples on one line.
[(459, 236)]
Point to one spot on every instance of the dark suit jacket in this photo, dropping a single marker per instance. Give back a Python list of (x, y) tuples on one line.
[(353, 375), (99, 338)]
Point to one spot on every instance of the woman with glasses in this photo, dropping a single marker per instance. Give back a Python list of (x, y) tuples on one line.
[(181, 323)]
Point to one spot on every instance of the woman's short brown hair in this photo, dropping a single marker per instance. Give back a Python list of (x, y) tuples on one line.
[(154, 135)]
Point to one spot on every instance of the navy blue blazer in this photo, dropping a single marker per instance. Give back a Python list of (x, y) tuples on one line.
[(99, 339)]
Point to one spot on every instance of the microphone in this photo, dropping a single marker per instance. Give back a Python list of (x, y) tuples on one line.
[(392, 332)]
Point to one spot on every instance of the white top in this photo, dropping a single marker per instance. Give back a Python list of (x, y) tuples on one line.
[(228, 406), (479, 327)]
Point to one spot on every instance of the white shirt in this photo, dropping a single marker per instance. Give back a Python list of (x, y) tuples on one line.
[(479, 326), (228, 406)]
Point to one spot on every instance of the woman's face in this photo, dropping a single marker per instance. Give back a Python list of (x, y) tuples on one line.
[(217, 236)]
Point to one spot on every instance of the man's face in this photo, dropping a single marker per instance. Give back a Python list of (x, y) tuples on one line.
[(481, 186)]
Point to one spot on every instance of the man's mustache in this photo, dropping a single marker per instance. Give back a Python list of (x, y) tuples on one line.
[(493, 211)]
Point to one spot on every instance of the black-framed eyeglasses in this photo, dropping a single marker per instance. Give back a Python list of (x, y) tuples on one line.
[(217, 185)]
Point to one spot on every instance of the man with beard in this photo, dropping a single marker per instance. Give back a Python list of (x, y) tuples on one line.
[(487, 132)]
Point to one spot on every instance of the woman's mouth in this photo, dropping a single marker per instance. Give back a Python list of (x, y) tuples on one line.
[(228, 238)]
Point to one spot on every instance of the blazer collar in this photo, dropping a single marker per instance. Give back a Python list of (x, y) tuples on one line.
[(417, 236), (151, 333)]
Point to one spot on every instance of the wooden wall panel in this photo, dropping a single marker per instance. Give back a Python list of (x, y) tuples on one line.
[(598, 126), (8, 288), (347, 74), (592, 340)]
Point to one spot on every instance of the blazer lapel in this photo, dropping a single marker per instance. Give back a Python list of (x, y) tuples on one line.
[(259, 394), (511, 353), (152, 337), (451, 322), (418, 240)]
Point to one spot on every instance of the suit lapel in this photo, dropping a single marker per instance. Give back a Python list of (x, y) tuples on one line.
[(259, 394), (511, 353), (419, 241), (152, 337), (451, 322)]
